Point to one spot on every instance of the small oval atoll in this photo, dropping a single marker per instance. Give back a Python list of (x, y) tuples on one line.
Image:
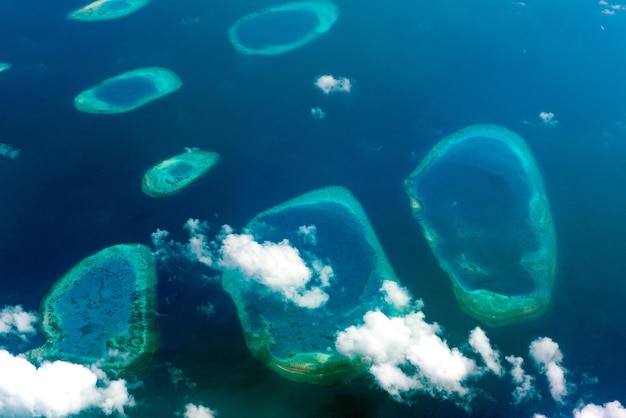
[(106, 10), (176, 173), (282, 28), (480, 200), (128, 91), (103, 311), (4, 66), (326, 237)]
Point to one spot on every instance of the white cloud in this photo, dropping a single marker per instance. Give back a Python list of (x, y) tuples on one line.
[(278, 266), (396, 296), (329, 84), (198, 411), (548, 118), (164, 248), (407, 355), (547, 355), (524, 388), (317, 113), (8, 151), (197, 248), (609, 410), (198, 243), (308, 233), (56, 389), (14, 320), (481, 344)]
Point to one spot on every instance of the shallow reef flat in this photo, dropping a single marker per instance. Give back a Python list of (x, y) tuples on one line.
[(106, 10), (299, 342), (128, 91), (103, 310), (176, 173), (480, 200), (282, 28)]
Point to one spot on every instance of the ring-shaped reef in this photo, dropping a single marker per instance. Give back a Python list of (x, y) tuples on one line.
[(176, 173), (106, 10), (480, 200), (4, 66), (282, 28), (103, 311), (128, 91), (299, 343)]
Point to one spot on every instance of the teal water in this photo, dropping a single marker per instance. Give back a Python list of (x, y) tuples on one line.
[(126, 91)]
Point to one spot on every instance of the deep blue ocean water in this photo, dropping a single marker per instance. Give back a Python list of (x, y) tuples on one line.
[(421, 71)]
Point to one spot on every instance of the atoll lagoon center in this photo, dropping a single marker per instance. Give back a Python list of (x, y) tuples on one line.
[(292, 331), (479, 198), (282, 28), (128, 91), (103, 311)]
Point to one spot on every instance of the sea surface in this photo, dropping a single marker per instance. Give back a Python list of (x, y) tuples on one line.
[(420, 70)]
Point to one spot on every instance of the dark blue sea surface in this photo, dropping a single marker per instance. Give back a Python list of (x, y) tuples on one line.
[(421, 70)]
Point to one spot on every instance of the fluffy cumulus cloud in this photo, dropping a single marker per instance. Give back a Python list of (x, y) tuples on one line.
[(14, 320), (56, 389), (608, 410), (407, 355), (198, 411), (279, 266), (547, 355), (7, 151), (479, 341), (524, 388), (329, 84)]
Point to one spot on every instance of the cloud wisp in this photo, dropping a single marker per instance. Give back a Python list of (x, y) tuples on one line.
[(7, 151), (548, 118), (524, 387), (329, 84), (479, 341), (547, 355), (15, 321)]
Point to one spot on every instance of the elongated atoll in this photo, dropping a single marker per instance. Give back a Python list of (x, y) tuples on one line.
[(103, 311), (106, 10), (282, 28), (176, 173), (4, 66), (480, 200), (331, 232), (128, 91)]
